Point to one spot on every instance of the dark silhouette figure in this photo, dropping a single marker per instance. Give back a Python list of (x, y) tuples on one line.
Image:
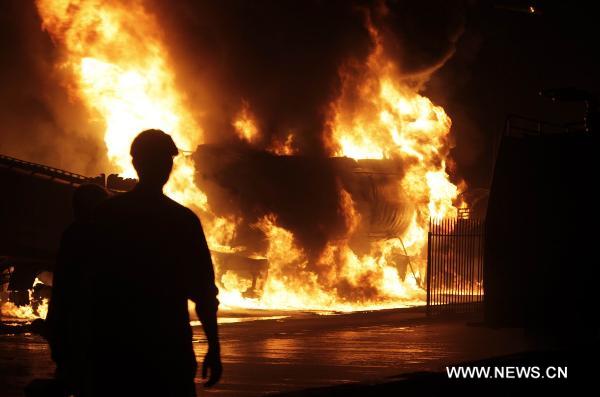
[(63, 326), (150, 257)]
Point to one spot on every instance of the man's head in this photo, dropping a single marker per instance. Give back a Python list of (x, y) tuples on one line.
[(152, 153)]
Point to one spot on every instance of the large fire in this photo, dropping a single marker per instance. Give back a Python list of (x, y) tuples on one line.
[(120, 68)]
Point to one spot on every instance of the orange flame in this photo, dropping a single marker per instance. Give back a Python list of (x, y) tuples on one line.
[(283, 148), (392, 121), (25, 312), (245, 124), (121, 72), (381, 116)]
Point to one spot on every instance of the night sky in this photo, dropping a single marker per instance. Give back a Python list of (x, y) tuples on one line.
[(503, 60), (491, 60)]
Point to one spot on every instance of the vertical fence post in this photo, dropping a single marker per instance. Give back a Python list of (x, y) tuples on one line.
[(481, 256), (455, 250), (429, 258), (444, 240)]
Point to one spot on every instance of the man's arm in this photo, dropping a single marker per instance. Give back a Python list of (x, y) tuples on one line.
[(203, 292), (209, 325), (212, 359)]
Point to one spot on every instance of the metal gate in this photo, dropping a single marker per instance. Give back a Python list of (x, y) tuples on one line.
[(455, 265)]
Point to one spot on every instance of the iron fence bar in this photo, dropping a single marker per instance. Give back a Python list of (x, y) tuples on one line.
[(457, 263), (471, 263), (434, 266), (474, 262), (429, 258), (464, 263), (475, 259), (469, 273), (449, 266), (445, 263), (481, 255), (453, 249), (438, 266), (448, 263), (477, 262), (467, 278)]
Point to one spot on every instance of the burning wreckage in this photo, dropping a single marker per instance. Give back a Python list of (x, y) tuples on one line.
[(36, 208)]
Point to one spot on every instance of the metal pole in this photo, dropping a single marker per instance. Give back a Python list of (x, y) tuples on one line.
[(429, 269)]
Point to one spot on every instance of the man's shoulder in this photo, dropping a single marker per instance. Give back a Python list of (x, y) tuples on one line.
[(114, 202), (181, 210), (132, 203)]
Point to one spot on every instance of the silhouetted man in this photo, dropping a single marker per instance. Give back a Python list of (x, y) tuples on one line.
[(152, 258), (64, 326)]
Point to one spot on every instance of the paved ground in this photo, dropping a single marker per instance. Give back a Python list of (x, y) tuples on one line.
[(307, 350)]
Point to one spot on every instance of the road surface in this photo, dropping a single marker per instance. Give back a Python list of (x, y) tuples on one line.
[(305, 350)]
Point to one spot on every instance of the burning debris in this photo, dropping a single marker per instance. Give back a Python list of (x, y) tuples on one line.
[(330, 215)]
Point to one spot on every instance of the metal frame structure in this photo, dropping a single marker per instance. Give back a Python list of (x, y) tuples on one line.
[(455, 265)]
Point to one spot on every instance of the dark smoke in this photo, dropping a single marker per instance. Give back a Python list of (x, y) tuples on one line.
[(283, 57), (506, 56), (280, 57), (420, 36)]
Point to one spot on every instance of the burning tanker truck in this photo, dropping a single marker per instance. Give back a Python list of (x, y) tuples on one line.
[(303, 192), (36, 208)]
